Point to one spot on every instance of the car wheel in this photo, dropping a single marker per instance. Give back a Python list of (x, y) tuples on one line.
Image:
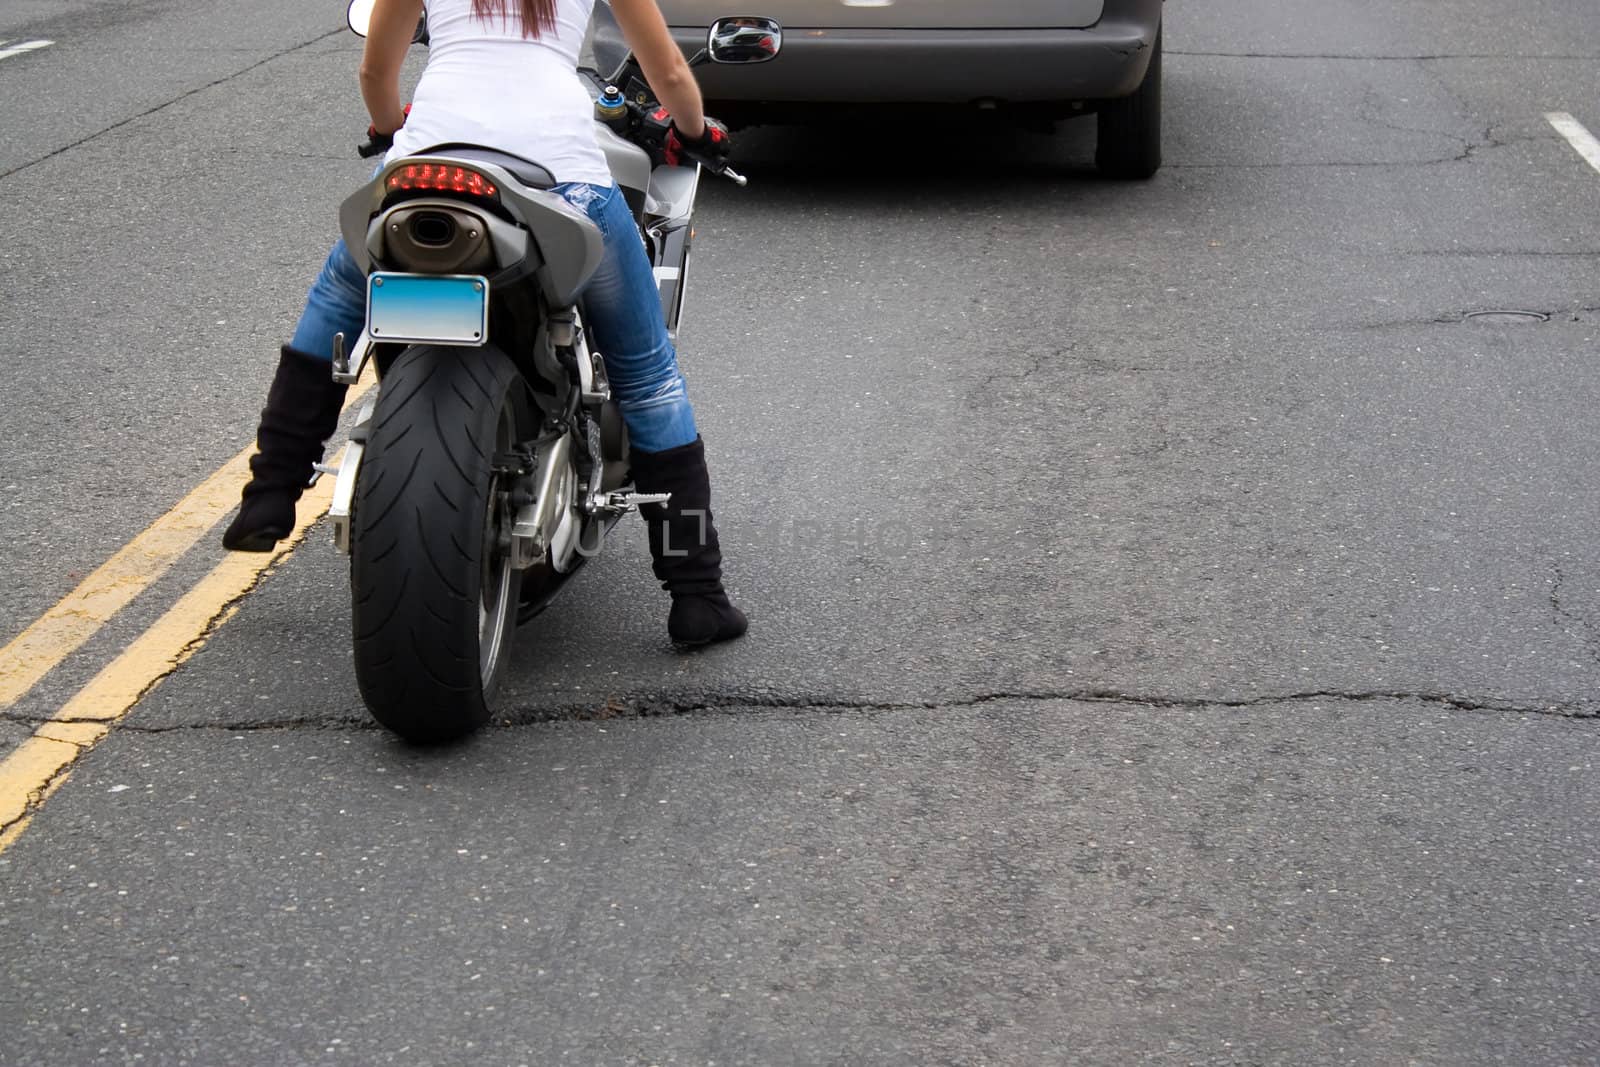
[(1130, 128)]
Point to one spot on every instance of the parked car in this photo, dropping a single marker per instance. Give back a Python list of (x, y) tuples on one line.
[(1035, 59)]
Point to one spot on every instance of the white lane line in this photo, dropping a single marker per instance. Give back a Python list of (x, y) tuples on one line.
[(1577, 136), (25, 46)]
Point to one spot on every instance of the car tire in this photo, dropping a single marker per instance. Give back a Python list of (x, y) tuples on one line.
[(1129, 143)]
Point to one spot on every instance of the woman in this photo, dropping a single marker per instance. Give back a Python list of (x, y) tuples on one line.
[(503, 73)]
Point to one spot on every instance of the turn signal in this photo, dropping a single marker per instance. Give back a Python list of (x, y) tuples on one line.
[(442, 178)]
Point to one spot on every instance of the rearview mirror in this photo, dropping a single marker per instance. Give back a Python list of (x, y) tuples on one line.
[(359, 17), (744, 40)]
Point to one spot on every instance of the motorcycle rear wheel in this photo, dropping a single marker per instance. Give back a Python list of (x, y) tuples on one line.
[(433, 590)]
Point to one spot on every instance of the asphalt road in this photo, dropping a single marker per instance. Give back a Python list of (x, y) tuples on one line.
[(1174, 616)]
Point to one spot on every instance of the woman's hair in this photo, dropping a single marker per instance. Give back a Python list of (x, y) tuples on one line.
[(537, 16)]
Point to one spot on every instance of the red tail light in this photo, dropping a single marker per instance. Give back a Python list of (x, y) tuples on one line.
[(442, 178)]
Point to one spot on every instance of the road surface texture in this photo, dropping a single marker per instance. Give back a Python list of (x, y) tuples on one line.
[(1175, 612)]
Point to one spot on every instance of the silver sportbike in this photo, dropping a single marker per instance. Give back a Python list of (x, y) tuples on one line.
[(491, 460)]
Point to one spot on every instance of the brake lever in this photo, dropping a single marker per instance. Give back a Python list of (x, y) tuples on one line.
[(721, 168)]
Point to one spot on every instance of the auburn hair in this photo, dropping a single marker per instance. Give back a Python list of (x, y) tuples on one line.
[(538, 16)]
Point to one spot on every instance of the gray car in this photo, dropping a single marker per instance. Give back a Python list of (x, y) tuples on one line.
[(1035, 59)]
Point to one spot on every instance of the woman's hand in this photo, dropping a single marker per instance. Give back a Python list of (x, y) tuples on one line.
[(378, 143), (714, 146)]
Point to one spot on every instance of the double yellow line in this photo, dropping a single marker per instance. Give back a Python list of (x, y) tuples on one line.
[(37, 767)]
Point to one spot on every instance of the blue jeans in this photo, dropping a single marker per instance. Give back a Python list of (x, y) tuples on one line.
[(620, 303)]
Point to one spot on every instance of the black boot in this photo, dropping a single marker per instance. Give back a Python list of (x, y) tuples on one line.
[(683, 544), (302, 412)]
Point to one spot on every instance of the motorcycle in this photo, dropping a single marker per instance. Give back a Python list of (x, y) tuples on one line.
[(491, 461)]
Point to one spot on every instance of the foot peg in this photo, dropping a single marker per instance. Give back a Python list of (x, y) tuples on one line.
[(622, 503)]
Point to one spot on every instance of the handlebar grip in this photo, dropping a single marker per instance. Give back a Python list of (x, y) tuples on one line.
[(717, 166)]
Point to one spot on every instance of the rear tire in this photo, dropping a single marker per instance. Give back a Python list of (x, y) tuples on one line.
[(1129, 143), (434, 595)]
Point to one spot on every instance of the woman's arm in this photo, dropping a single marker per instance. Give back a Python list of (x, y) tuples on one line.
[(389, 34), (664, 66)]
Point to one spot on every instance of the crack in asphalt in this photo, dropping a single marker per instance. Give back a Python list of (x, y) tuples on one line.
[(1485, 252), (1036, 363), (1333, 164), (1568, 621), (163, 106), (644, 707), (1558, 316), (1470, 149), (1372, 101), (36, 797), (648, 707), (1489, 141), (1350, 58)]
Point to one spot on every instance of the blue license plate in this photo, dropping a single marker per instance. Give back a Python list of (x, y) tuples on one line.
[(444, 308)]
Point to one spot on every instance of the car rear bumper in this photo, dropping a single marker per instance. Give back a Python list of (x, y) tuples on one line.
[(955, 66)]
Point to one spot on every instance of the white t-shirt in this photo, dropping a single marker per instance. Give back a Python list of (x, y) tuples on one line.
[(487, 84)]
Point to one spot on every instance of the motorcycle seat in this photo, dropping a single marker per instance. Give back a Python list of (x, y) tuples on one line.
[(526, 171)]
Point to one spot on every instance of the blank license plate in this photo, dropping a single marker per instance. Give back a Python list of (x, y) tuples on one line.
[(446, 308)]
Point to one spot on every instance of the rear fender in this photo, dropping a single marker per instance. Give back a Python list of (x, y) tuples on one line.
[(570, 244)]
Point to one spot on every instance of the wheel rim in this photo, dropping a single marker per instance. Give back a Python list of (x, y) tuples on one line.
[(494, 583)]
